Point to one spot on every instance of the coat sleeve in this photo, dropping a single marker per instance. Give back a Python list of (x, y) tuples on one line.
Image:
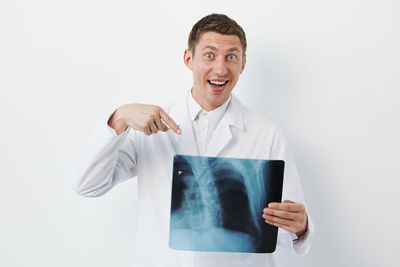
[(105, 160), (292, 190)]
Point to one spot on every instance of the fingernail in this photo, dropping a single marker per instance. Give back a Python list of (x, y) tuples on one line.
[(179, 131)]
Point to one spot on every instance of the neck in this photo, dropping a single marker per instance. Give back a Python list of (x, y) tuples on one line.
[(203, 104)]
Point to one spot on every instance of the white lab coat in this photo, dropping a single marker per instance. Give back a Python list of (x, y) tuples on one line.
[(108, 159)]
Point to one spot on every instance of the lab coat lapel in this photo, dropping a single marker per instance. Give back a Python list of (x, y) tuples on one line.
[(221, 137), (233, 117), (185, 143)]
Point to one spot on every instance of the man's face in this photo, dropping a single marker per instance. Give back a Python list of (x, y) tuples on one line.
[(216, 64)]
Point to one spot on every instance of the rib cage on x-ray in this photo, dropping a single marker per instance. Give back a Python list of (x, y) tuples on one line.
[(217, 203)]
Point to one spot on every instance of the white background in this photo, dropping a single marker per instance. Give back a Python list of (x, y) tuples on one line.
[(326, 71)]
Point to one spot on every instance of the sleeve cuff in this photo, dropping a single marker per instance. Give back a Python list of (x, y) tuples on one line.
[(111, 130), (301, 246)]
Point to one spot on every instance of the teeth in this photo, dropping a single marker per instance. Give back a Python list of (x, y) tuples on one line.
[(217, 82)]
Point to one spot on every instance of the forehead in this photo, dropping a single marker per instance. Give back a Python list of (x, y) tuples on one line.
[(219, 41)]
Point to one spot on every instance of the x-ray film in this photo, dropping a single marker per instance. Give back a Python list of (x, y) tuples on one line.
[(217, 204)]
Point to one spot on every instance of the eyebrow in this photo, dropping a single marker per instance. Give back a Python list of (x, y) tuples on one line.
[(215, 49), (233, 49)]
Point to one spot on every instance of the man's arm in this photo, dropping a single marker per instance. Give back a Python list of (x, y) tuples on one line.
[(109, 156), (292, 217)]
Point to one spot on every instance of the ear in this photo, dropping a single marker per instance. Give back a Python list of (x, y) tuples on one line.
[(187, 58), (243, 63)]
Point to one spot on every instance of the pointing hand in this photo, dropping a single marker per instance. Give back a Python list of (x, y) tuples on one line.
[(146, 118)]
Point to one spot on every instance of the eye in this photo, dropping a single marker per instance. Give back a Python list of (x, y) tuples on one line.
[(209, 55), (231, 56)]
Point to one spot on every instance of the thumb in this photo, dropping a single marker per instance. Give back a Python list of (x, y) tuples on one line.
[(165, 128)]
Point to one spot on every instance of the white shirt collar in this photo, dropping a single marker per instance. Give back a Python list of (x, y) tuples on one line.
[(214, 115)]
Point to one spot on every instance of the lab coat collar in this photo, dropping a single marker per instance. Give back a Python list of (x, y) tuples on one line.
[(214, 116), (234, 113), (185, 143), (193, 107), (223, 133)]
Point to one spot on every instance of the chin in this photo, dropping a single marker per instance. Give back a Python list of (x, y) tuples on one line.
[(218, 100)]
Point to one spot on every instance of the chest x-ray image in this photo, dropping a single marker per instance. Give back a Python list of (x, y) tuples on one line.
[(216, 203)]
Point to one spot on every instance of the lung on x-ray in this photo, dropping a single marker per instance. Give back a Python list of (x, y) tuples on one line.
[(217, 203)]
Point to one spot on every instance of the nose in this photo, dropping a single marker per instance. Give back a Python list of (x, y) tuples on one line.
[(220, 66)]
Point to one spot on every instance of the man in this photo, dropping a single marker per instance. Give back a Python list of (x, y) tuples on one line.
[(140, 140)]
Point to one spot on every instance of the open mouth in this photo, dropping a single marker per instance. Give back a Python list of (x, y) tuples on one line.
[(218, 83), (218, 86)]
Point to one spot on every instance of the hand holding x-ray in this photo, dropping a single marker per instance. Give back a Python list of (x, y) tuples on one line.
[(288, 215)]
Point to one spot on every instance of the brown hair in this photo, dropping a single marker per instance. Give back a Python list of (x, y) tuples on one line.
[(218, 23)]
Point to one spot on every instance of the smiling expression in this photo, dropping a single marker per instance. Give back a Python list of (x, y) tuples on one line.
[(216, 63)]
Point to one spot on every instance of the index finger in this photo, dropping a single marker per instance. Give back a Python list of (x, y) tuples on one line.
[(286, 206), (170, 122)]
